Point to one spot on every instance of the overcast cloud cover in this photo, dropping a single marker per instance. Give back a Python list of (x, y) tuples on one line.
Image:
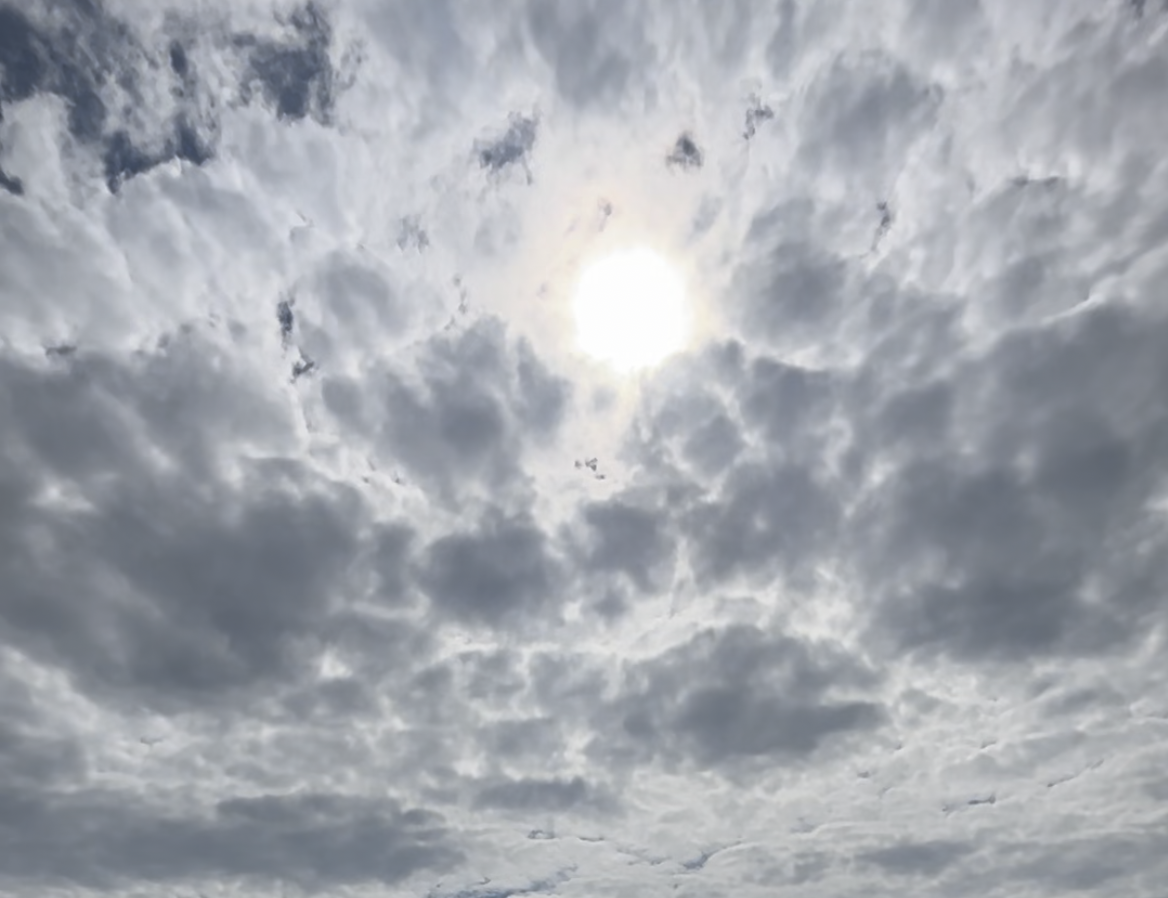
[(305, 585)]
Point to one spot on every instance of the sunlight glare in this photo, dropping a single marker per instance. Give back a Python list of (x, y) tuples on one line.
[(630, 309)]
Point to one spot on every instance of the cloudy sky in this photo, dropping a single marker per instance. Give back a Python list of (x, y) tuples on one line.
[(331, 563)]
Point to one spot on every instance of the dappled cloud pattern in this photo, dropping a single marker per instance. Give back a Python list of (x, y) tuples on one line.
[(329, 564)]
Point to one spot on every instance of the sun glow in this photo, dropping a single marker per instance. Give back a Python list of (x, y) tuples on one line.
[(630, 309)]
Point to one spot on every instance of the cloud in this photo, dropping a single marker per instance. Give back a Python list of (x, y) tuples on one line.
[(999, 556), (685, 153), (296, 78), (218, 598), (94, 841), (623, 538), (499, 571), (538, 795), (928, 859), (478, 396), (593, 58), (737, 694), (512, 148), (328, 560)]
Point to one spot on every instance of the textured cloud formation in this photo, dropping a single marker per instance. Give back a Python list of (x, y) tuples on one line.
[(329, 565)]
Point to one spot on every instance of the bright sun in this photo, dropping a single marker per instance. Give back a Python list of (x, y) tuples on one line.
[(631, 309)]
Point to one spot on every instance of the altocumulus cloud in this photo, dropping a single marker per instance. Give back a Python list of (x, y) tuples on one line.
[(328, 564)]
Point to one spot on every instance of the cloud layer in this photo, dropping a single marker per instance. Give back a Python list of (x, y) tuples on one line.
[(328, 563)]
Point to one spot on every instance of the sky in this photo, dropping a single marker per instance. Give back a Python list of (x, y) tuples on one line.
[(332, 564)]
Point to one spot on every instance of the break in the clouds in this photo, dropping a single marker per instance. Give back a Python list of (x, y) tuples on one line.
[(330, 562)]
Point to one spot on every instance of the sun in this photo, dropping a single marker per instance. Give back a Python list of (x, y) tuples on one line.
[(630, 309)]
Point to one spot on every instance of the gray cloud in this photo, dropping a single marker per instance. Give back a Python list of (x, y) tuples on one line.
[(685, 153), (767, 520), (94, 59), (237, 590), (30, 757), (928, 859), (623, 538), (512, 148), (493, 574), (594, 60), (864, 111), (477, 398), (297, 78), (737, 694), (539, 795), (102, 840), (1029, 545)]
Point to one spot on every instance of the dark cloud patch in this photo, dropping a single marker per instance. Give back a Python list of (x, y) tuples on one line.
[(391, 548), (171, 588), (180, 63), (499, 571), (302, 367), (622, 538), (594, 58), (412, 235), (685, 153), (770, 505), (539, 795), (87, 110), (10, 184), (70, 62), (33, 761), (339, 701), (31, 757), (105, 840), (923, 859), (885, 223), (449, 431), (714, 445), (774, 517), (793, 292), (86, 55), (122, 159), (756, 114), (214, 606), (864, 113), (695, 428), (769, 520), (539, 397), (1089, 862), (789, 407), (189, 145), (296, 76), (526, 739), (513, 147), (286, 318), (738, 696), (464, 419), (1032, 535), (22, 56), (60, 351), (784, 45), (80, 54)]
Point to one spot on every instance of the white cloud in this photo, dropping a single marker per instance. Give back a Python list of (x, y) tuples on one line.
[(328, 561)]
